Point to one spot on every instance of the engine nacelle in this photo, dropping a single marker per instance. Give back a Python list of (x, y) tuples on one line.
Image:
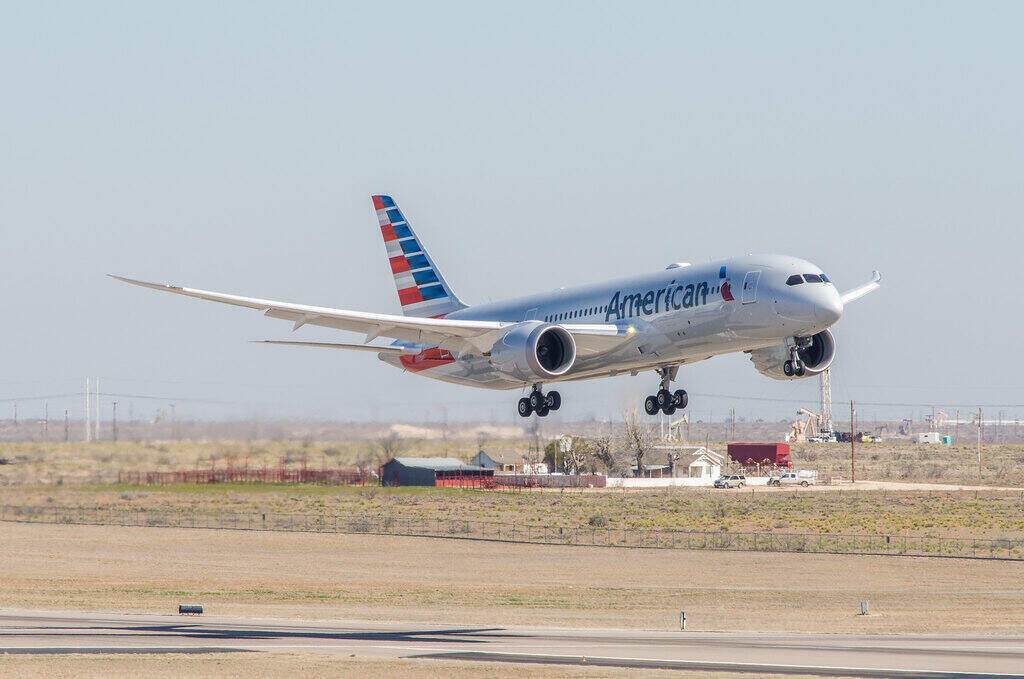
[(534, 351), (816, 357)]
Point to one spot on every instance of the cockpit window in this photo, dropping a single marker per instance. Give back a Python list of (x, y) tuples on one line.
[(794, 280), (812, 278), (824, 279)]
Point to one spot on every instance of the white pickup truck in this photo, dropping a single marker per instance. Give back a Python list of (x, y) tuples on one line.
[(800, 478)]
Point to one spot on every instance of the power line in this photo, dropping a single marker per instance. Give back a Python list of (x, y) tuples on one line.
[(392, 404)]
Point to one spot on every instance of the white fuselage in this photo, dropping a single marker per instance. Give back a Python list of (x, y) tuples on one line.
[(676, 316)]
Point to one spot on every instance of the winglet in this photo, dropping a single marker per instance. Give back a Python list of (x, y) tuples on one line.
[(155, 286), (860, 291)]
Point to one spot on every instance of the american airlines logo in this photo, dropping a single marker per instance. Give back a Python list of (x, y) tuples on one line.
[(671, 298)]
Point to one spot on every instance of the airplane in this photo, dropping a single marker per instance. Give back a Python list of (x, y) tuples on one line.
[(775, 308)]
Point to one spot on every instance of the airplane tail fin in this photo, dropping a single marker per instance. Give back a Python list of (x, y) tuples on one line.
[(422, 290)]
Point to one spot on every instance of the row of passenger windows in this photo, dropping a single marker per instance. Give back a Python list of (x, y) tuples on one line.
[(796, 279), (590, 311), (576, 313)]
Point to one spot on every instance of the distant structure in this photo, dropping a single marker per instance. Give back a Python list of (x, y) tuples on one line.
[(760, 454), (826, 402), (501, 461), (706, 464), (431, 471)]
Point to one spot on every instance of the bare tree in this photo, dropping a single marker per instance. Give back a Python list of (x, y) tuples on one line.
[(601, 449), (576, 455), (388, 446), (536, 453), (673, 457), (611, 454), (638, 439), (568, 458)]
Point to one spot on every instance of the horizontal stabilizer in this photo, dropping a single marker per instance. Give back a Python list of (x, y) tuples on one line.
[(398, 351)]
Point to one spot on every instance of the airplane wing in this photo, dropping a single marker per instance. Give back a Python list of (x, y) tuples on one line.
[(458, 336), (860, 291), (398, 351)]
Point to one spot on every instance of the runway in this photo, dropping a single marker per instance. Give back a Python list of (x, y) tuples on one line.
[(818, 654)]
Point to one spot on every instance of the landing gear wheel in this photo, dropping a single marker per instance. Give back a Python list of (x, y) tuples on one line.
[(787, 368), (543, 412), (651, 405), (680, 399), (524, 407), (668, 409), (799, 370), (536, 400), (554, 400), (664, 397)]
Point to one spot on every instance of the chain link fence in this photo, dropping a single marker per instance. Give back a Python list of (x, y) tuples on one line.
[(377, 524)]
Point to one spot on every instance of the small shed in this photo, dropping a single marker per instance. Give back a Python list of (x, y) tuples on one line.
[(426, 471), (501, 461)]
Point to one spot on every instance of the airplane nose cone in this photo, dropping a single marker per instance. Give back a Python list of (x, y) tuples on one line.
[(830, 309)]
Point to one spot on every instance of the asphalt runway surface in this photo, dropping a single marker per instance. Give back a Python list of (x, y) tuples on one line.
[(817, 654)]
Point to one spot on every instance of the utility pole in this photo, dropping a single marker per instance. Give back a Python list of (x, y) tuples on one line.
[(96, 407), (113, 424), (88, 410), (853, 451), (67, 426), (956, 429), (15, 413), (979, 444), (733, 436)]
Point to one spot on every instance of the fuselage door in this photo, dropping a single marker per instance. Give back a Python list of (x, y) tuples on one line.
[(750, 287), (531, 314)]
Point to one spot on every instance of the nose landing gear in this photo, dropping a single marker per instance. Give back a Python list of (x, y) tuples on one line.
[(666, 401), (794, 367), (539, 402)]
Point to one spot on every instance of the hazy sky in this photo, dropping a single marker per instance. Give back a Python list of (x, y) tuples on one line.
[(234, 147)]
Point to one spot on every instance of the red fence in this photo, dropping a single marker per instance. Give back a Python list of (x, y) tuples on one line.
[(327, 477), (549, 481), (448, 480), (355, 477)]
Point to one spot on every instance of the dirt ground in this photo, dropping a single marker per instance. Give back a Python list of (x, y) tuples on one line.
[(327, 576), (248, 665)]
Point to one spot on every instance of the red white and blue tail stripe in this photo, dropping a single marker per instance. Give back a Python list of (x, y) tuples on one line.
[(422, 291)]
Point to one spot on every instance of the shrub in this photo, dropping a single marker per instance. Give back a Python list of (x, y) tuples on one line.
[(598, 521)]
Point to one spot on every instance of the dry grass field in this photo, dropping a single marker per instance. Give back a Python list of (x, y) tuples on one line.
[(329, 576), (975, 514), (73, 463)]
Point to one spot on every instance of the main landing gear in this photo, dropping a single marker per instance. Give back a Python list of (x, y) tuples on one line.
[(539, 402), (666, 401)]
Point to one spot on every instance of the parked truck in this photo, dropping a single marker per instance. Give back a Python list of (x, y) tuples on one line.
[(803, 477)]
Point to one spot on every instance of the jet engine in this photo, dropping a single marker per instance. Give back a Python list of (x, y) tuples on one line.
[(534, 351), (816, 356)]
